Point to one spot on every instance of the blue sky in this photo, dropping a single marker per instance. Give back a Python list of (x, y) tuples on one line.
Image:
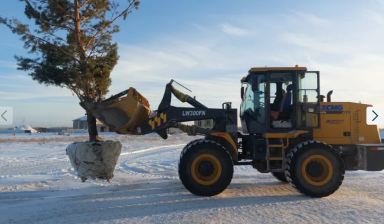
[(210, 45)]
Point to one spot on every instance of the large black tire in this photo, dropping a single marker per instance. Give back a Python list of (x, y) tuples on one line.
[(315, 169), (280, 177), (205, 167)]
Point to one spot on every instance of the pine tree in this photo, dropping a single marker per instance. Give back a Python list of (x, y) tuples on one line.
[(73, 41)]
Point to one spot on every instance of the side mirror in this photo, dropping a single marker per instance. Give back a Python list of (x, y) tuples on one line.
[(242, 92), (255, 83)]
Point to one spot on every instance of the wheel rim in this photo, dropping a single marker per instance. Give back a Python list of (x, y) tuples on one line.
[(317, 170), (208, 165)]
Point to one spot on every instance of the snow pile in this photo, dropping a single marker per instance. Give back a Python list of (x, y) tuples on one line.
[(26, 128)]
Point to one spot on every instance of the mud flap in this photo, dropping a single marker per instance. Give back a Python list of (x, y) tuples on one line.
[(369, 157), (122, 114)]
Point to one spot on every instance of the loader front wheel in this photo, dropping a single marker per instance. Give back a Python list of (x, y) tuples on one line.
[(205, 168), (315, 169)]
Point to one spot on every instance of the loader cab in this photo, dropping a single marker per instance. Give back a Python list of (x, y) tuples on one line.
[(280, 100)]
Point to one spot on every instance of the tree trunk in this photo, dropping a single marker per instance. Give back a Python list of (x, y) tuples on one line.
[(92, 128)]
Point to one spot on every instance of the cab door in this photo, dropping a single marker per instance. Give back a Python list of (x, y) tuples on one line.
[(308, 99)]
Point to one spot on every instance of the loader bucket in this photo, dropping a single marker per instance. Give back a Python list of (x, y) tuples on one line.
[(123, 114)]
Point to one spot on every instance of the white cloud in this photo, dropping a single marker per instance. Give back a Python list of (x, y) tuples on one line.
[(232, 30), (8, 64), (198, 26), (312, 43), (14, 77), (311, 18), (28, 95), (22, 87), (374, 16)]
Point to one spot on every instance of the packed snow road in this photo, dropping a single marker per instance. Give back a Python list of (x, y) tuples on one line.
[(38, 185)]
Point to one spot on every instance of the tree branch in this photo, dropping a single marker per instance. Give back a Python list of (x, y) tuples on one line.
[(41, 39), (96, 45), (87, 18), (59, 6), (106, 26), (62, 26), (82, 5), (57, 37), (88, 7)]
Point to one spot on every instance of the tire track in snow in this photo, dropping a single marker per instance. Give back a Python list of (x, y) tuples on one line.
[(136, 165), (48, 167), (150, 149), (169, 199)]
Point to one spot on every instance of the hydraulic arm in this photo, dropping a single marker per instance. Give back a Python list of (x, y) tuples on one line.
[(131, 114), (169, 116)]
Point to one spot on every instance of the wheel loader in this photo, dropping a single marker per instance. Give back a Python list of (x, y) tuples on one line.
[(288, 130)]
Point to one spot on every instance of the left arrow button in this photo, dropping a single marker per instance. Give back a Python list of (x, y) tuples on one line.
[(6, 115), (3, 116)]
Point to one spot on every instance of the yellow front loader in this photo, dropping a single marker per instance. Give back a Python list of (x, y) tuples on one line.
[(287, 129)]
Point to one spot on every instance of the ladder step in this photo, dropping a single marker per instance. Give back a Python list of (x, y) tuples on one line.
[(282, 146)]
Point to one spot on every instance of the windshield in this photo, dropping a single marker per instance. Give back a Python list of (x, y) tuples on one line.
[(253, 103)]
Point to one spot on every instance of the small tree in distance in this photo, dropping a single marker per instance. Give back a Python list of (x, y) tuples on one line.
[(73, 41)]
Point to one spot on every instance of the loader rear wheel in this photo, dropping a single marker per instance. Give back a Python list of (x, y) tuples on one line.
[(315, 169), (205, 168), (280, 177)]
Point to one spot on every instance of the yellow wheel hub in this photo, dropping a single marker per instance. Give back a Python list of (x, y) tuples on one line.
[(317, 170), (206, 169)]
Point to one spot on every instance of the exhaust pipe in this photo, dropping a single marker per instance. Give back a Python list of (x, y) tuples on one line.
[(329, 96), (321, 98)]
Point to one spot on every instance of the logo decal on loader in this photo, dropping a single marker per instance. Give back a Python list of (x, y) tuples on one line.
[(332, 107), (193, 113)]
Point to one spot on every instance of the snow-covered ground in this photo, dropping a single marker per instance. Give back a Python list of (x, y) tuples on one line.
[(38, 185)]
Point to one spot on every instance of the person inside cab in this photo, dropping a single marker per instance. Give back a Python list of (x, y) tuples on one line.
[(277, 101), (282, 110)]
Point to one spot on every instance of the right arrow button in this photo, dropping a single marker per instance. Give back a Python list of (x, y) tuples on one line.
[(375, 115)]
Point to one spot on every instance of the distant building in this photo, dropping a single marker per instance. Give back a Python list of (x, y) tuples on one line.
[(204, 123), (81, 123)]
